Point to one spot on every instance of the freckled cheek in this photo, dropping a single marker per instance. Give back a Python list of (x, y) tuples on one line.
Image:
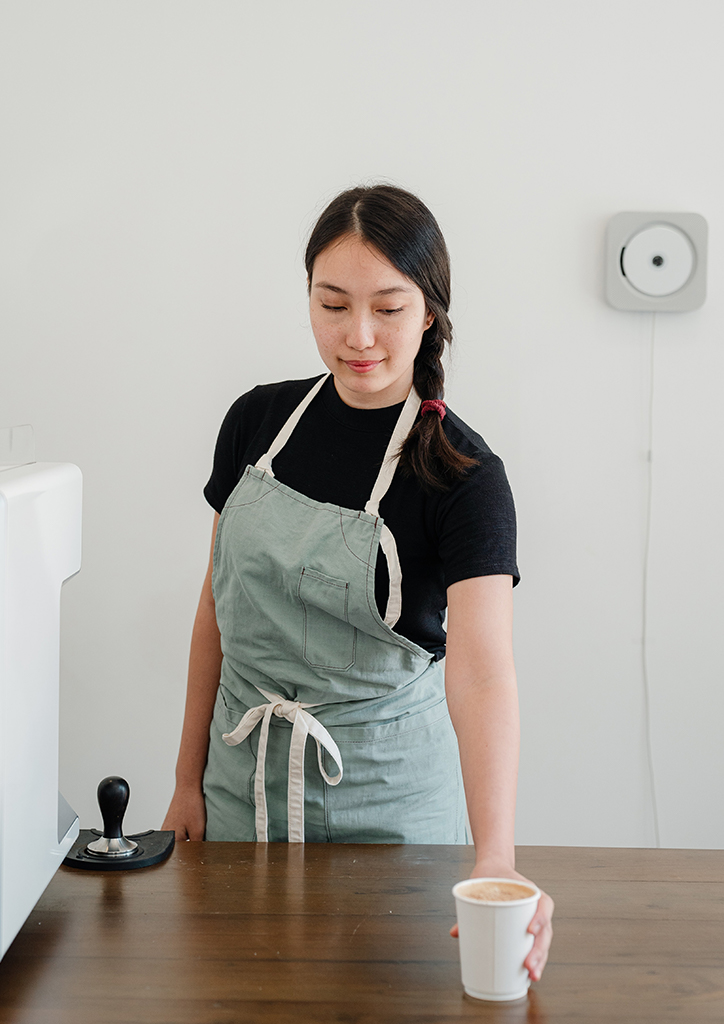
[(401, 340), (326, 337)]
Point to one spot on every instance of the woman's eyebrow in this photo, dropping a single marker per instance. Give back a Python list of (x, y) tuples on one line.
[(341, 291)]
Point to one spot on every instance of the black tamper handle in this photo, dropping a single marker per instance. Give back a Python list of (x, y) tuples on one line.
[(113, 794)]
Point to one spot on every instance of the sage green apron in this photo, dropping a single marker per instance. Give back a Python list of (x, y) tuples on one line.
[(306, 651)]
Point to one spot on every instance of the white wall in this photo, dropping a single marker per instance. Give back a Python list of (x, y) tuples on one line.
[(164, 161)]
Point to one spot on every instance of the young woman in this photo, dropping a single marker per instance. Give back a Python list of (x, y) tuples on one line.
[(352, 509)]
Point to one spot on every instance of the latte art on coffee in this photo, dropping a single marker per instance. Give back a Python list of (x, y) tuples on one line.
[(495, 892)]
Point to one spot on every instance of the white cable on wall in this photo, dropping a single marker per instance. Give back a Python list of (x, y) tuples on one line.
[(644, 608)]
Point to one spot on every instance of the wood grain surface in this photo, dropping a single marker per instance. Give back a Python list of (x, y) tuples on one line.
[(237, 932)]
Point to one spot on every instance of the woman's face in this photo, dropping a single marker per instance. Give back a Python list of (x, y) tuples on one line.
[(368, 320)]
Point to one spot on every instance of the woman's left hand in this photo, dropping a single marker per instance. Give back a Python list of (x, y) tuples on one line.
[(540, 926)]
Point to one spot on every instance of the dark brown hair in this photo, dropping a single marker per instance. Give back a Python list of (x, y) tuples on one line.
[(402, 228)]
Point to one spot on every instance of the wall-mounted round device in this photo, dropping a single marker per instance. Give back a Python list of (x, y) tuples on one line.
[(656, 261)]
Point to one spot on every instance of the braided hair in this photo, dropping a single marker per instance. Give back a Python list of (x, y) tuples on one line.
[(401, 227)]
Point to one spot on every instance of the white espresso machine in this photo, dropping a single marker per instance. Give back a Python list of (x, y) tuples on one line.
[(40, 548)]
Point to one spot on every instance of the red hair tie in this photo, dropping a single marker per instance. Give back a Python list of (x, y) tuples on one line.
[(433, 405)]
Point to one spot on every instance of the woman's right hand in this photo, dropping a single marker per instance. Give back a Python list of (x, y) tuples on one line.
[(186, 815)]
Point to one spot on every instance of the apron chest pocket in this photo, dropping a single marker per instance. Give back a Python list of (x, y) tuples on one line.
[(329, 639)]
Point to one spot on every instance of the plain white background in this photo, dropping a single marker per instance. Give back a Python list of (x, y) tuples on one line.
[(163, 163)]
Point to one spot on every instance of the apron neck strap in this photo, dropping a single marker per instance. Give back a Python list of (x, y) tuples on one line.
[(265, 462), (392, 455)]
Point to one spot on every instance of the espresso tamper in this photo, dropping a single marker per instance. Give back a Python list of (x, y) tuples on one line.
[(113, 794), (113, 851)]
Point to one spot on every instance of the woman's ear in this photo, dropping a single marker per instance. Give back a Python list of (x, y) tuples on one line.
[(429, 319)]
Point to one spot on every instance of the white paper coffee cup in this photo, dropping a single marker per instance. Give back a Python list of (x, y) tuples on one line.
[(494, 941)]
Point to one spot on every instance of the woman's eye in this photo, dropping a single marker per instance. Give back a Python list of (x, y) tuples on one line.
[(339, 309)]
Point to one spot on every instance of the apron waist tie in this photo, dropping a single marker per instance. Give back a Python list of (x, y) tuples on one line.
[(303, 724)]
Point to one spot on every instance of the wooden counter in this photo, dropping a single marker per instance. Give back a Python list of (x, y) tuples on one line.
[(236, 932)]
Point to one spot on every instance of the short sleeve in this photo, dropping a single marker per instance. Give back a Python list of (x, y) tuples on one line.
[(477, 526), (228, 455)]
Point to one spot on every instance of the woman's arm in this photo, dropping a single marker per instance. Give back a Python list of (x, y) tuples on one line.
[(482, 697), (186, 814)]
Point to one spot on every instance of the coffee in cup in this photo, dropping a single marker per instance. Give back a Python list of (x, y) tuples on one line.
[(495, 892)]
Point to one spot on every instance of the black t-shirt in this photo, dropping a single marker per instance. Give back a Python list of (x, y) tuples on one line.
[(334, 455)]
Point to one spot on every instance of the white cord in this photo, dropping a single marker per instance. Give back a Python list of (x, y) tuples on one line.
[(644, 609)]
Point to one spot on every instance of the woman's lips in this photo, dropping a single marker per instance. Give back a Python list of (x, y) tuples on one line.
[(362, 365)]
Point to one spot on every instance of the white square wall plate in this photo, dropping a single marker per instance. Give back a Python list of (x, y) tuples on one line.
[(656, 261)]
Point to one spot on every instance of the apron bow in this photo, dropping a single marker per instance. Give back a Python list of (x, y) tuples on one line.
[(302, 725)]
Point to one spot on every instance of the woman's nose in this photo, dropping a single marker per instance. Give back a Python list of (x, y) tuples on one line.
[(360, 334)]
